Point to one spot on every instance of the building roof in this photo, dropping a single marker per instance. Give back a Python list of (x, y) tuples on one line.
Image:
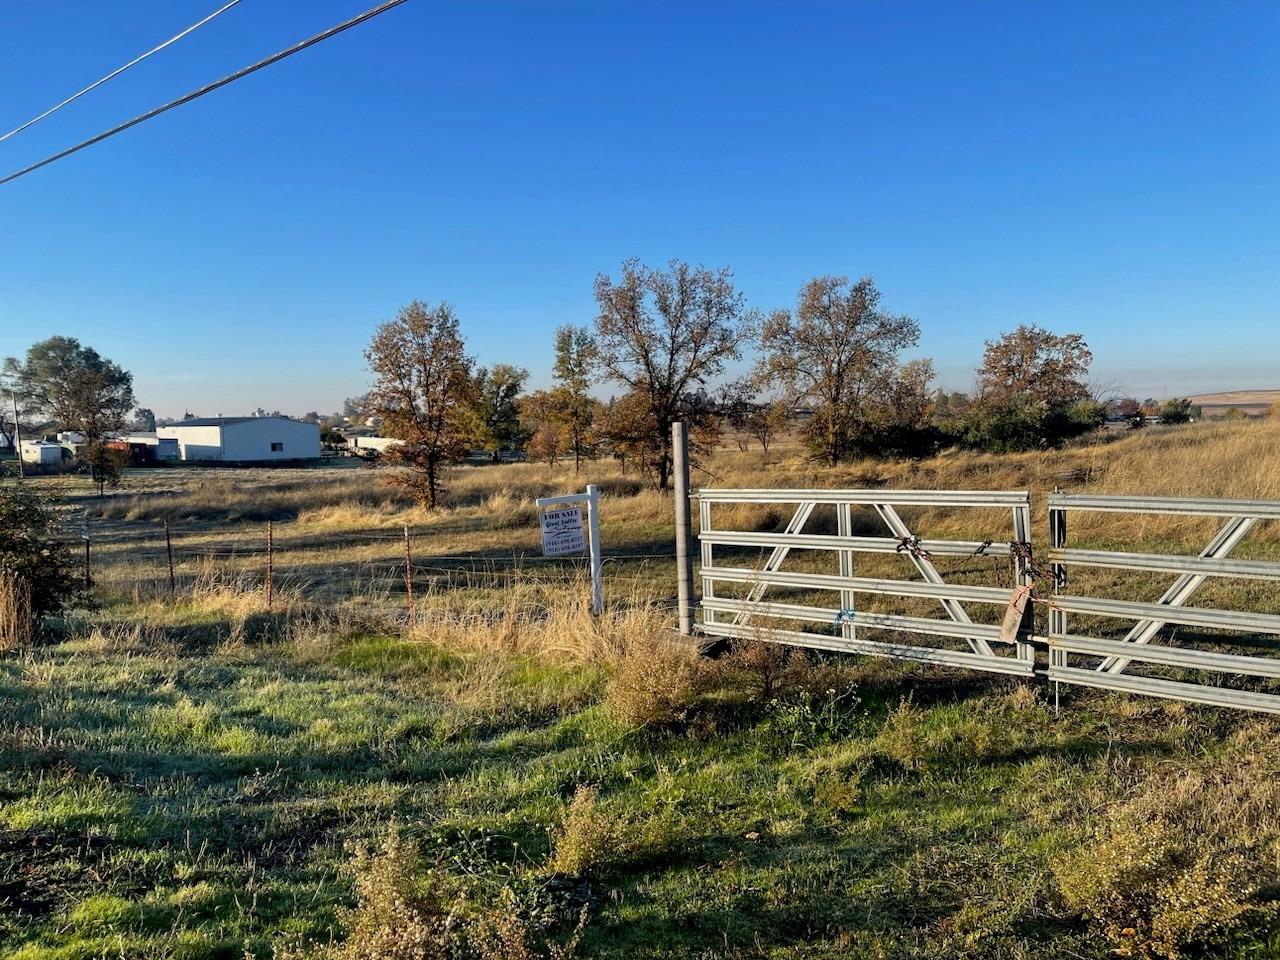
[(226, 421)]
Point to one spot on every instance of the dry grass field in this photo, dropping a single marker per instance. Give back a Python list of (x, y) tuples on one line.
[(1253, 402), (194, 772)]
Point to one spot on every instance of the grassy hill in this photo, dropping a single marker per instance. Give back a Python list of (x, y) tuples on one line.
[(1253, 402), (199, 775)]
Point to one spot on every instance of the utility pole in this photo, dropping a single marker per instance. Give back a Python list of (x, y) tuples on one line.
[(17, 434)]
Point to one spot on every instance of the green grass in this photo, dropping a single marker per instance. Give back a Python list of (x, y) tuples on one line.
[(196, 803)]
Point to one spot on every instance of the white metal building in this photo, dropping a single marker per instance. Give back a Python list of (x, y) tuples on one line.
[(376, 444), (42, 452), (244, 439)]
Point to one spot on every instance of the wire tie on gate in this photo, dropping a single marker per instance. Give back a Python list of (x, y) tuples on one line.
[(912, 546)]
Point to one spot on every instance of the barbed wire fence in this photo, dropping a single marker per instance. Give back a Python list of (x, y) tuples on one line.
[(267, 556)]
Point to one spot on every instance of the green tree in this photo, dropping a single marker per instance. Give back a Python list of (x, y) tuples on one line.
[(425, 393), (576, 365), (497, 398), (1177, 410), (30, 551), (144, 418), (77, 389)]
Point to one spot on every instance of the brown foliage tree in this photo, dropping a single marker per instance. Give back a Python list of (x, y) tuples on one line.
[(425, 393), (905, 400), (767, 421), (1033, 363), (836, 350), (541, 414), (663, 334)]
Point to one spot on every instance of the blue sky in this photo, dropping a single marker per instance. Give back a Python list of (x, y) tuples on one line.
[(1105, 168)]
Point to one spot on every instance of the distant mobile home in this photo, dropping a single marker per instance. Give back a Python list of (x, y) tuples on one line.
[(43, 453), (244, 439), (365, 445)]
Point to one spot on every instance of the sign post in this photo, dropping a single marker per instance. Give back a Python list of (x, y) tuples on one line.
[(561, 520)]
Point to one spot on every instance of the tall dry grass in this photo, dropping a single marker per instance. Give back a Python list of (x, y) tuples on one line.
[(544, 619), (17, 623)]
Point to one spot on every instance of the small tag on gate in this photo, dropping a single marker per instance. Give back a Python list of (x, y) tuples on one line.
[(1013, 615)]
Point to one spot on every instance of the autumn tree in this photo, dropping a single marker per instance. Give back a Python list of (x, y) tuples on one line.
[(899, 418), (1032, 392), (497, 399), (626, 429), (542, 418), (767, 421), (663, 335), (576, 364), (77, 389), (425, 394), (356, 409), (738, 406), (832, 354), (1034, 363), (1127, 407)]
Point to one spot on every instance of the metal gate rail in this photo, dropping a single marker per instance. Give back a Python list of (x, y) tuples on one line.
[(1115, 656), (745, 612)]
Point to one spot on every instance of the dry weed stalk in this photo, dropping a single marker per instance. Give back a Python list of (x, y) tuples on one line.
[(17, 623)]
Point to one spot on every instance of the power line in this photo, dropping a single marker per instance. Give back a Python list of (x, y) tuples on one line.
[(196, 94), (119, 70)]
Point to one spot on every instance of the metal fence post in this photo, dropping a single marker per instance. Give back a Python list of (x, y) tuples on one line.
[(597, 562), (848, 599), (1057, 617), (684, 560), (168, 546), (408, 576), (270, 564)]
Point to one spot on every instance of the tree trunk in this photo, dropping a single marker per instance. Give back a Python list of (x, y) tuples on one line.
[(664, 471)]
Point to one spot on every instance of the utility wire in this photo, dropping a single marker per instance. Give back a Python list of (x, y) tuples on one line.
[(115, 73), (196, 94)]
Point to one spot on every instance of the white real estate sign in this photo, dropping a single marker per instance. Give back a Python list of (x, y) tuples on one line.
[(562, 532)]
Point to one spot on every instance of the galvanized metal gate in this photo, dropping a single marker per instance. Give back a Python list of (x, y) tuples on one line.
[(1079, 658), (1135, 663), (750, 616)]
